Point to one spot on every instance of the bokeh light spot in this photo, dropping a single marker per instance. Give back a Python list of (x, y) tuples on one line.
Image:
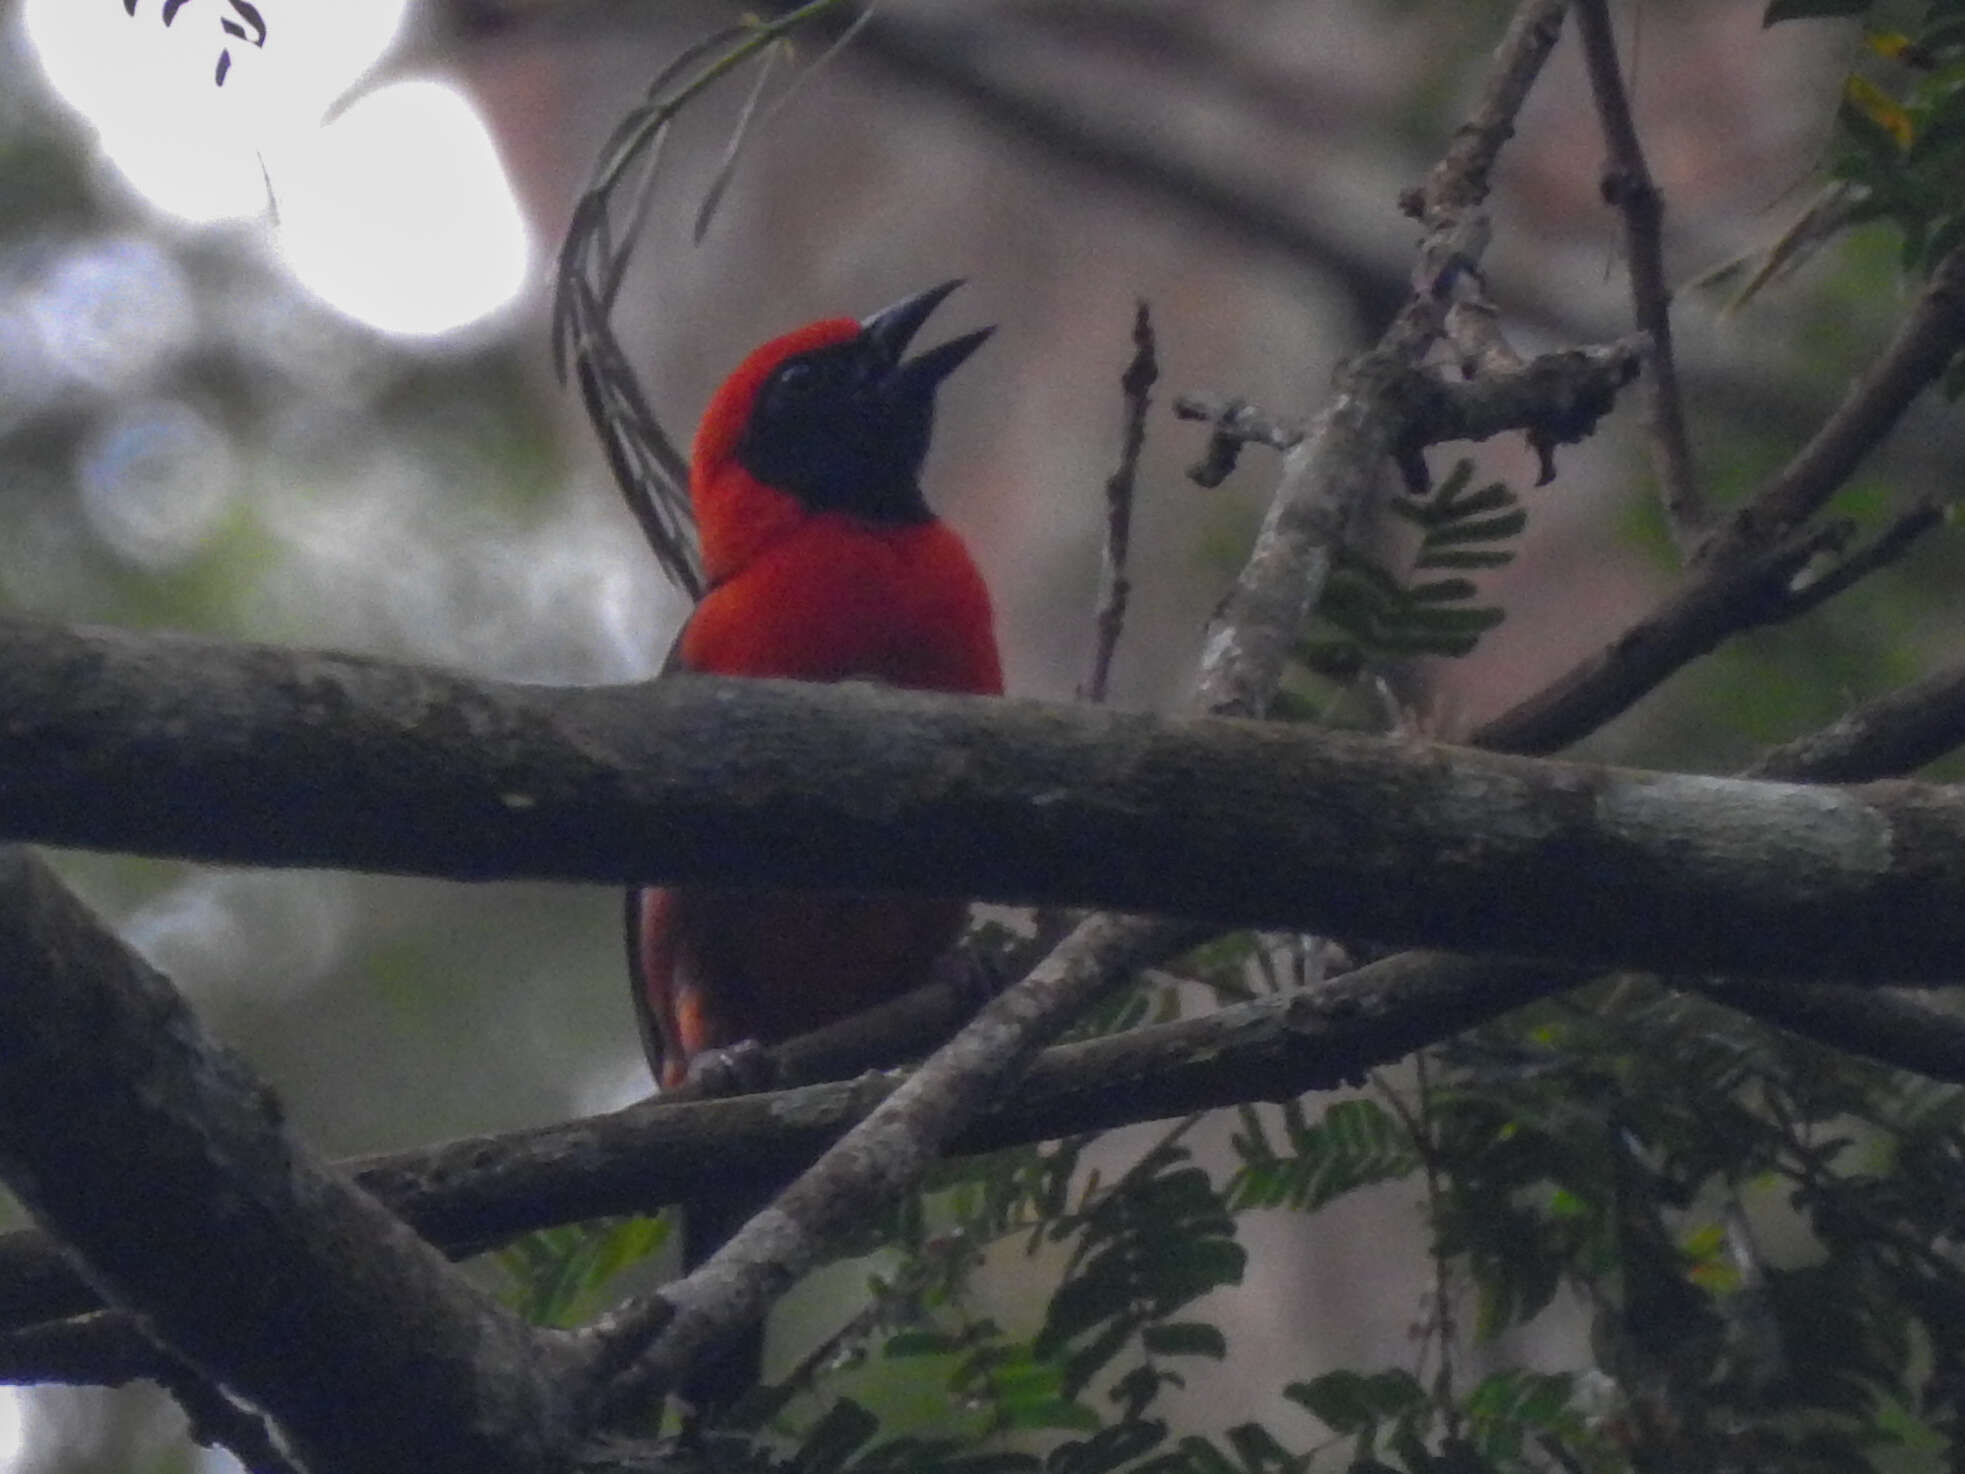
[(111, 312), (155, 482), (397, 213)]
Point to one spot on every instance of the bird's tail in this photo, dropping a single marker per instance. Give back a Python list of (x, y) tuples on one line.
[(720, 1380)]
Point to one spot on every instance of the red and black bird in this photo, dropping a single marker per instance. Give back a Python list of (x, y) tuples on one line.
[(823, 563)]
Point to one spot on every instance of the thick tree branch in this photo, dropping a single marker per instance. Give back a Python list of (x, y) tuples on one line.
[(1874, 1022), (464, 1195), (170, 746), (163, 1166)]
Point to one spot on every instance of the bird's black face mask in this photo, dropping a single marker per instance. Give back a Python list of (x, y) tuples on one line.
[(845, 428)]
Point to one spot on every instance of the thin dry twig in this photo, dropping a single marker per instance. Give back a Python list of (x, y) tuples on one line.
[(1879, 552), (1627, 185), (1234, 423), (1115, 584)]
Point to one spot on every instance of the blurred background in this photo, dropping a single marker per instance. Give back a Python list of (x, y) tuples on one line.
[(273, 366)]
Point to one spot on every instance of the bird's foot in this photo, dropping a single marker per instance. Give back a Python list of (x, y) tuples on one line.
[(743, 1068)]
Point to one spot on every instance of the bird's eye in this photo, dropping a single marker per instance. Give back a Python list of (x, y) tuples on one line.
[(796, 377)]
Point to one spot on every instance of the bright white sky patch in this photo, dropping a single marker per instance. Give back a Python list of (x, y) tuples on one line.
[(398, 213), (426, 242), (13, 1433)]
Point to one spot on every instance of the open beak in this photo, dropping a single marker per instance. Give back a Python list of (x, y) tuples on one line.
[(892, 329)]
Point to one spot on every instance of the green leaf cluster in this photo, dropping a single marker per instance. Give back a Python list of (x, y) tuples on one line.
[(563, 1276), (1354, 1144), (1369, 613), (1901, 126)]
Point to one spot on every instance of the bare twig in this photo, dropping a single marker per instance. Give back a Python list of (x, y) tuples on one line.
[(1924, 343), (1745, 576), (1115, 586), (1556, 399), (1882, 550), (1714, 605), (1627, 184), (1235, 423)]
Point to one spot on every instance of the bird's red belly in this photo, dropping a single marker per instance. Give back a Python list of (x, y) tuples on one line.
[(769, 965)]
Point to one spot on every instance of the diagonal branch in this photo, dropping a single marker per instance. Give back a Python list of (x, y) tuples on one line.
[(1925, 342), (1706, 610), (164, 1167), (1745, 574), (283, 757)]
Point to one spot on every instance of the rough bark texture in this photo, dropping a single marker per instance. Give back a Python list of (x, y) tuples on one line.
[(164, 1167), (264, 756)]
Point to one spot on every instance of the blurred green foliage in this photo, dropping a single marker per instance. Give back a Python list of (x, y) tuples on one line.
[(1757, 1229)]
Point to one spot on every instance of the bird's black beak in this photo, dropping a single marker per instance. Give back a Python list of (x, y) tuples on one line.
[(893, 328)]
